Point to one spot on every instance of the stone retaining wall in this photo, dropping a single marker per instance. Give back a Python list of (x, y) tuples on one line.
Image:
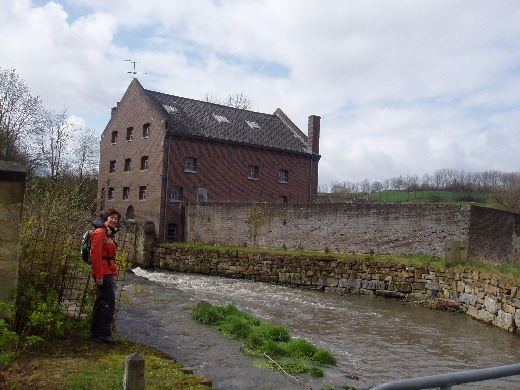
[(482, 295)]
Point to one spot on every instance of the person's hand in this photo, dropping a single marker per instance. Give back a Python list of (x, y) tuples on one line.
[(99, 281)]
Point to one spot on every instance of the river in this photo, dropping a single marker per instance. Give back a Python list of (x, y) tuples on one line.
[(374, 339)]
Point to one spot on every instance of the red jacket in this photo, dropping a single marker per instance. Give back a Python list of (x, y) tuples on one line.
[(103, 253)]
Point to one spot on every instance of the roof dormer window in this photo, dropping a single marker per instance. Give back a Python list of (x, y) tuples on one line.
[(170, 109), (253, 125), (221, 119)]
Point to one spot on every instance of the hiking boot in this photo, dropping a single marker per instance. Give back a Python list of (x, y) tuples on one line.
[(108, 339)]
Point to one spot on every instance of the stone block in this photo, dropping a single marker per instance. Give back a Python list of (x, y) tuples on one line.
[(509, 309), (468, 299), (505, 321), (486, 316), (472, 311), (491, 305), (373, 285)]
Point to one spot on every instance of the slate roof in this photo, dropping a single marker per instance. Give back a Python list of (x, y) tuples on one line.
[(197, 118)]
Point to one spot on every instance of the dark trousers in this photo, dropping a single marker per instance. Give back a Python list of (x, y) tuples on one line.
[(103, 311)]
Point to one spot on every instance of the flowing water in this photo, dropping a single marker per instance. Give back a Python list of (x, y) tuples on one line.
[(374, 339)]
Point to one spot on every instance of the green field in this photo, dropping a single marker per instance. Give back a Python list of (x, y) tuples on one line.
[(422, 197)]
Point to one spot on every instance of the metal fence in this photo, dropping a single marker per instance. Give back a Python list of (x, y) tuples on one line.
[(446, 381)]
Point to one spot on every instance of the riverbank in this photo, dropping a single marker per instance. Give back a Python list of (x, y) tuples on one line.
[(78, 362)]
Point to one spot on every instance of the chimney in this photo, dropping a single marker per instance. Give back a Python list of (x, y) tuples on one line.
[(313, 137)]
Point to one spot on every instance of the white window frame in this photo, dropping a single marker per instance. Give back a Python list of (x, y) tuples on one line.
[(142, 192), (144, 163), (253, 172), (176, 194), (283, 176), (146, 130), (190, 164)]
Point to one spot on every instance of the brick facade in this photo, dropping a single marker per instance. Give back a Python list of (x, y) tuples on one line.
[(222, 166)]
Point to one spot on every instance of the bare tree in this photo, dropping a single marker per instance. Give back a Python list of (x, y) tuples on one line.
[(19, 116), (85, 153), (238, 100), (53, 141)]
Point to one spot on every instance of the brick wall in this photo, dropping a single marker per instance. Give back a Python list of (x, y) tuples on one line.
[(357, 228), (222, 167)]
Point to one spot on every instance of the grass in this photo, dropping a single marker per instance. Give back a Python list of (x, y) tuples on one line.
[(424, 197), (76, 362), (264, 339)]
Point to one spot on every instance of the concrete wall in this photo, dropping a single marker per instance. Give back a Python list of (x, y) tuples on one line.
[(356, 228), (484, 296), (12, 186)]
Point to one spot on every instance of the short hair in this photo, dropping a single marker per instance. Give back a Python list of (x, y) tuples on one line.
[(104, 215)]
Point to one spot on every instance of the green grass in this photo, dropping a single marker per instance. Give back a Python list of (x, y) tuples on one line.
[(76, 362), (426, 197), (263, 338)]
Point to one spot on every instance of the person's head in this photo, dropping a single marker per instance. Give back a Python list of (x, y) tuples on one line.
[(110, 217)]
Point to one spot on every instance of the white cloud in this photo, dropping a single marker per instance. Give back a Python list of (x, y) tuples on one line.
[(403, 87)]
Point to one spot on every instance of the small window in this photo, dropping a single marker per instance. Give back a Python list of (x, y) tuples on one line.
[(202, 195), (176, 194), (111, 193), (170, 109), (253, 125), (221, 119), (283, 176), (190, 164), (172, 232), (130, 214), (128, 162), (146, 130), (142, 192), (112, 168), (130, 134), (252, 172), (282, 199), (144, 163), (126, 193), (114, 137)]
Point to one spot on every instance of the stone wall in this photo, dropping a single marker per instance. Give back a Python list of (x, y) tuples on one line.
[(482, 295), (357, 228), (12, 186), (137, 240)]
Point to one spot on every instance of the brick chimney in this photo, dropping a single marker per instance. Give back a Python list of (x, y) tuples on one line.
[(313, 137)]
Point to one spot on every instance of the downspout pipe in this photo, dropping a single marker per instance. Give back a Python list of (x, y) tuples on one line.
[(166, 179)]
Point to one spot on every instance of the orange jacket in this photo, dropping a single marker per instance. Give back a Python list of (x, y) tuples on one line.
[(103, 253)]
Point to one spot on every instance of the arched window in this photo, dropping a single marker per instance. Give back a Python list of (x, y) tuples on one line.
[(130, 213)]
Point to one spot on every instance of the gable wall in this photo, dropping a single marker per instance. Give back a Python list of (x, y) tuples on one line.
[(134, 110)]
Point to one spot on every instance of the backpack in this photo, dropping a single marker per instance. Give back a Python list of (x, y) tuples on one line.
[(85, 241)]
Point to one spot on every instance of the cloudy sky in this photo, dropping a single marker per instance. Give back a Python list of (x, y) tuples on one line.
[(403, 87)]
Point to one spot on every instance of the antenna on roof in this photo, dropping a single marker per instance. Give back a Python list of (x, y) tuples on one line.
[(134, 72)]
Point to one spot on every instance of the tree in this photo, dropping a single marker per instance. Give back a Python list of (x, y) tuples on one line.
[(239, 100), (507, 199), (85, 152), (53, 142), (20, 114)]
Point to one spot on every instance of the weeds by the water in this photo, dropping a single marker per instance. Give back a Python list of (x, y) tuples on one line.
[(263, 338)]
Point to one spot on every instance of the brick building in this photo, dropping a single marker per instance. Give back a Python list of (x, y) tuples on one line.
[(160, 151)]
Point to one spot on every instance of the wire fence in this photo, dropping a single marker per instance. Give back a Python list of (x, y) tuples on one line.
[(51, 265)]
